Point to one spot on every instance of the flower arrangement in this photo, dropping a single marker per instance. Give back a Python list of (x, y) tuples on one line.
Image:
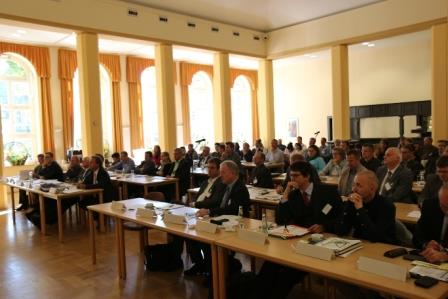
[(16, 153)]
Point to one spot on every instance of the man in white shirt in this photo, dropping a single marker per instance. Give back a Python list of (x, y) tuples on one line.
[(275, 155)]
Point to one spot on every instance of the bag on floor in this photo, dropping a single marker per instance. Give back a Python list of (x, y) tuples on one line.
[(162, 257)]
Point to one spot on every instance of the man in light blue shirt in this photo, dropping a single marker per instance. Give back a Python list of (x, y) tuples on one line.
[(126, 164)]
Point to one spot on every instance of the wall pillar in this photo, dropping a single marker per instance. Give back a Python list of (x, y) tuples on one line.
[(439, 105), (266, 101), (89, 85), (222, 100), (341, 108), (166, 104)]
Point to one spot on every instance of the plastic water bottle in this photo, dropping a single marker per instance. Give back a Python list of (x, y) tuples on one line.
[(240, 217), (264, 224)]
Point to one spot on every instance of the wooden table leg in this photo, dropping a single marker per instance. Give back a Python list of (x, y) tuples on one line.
[(119, 233), (43, 224), (101, 218), (222, 271), (60, 221), (177, 191), (92, 236), (125, 191), (13, 206), (215, 271)]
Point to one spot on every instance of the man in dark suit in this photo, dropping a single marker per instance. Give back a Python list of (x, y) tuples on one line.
[(147, 167), (97, 178), (368, 160), (409, 161), (23, 198), (181, 171), (235, 195), (371, 216), (394, 179), (431, 234), (304, 203), (204, 157), (260, 175), (435, 181), (50, 169), (74, 169), (209, 196)]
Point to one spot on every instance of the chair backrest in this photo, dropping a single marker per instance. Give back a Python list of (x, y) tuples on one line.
[(159, 196), (404, 236)]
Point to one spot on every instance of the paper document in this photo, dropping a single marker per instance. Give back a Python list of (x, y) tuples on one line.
[(431, 272), (414, 214), (291, 232), (340, 245)]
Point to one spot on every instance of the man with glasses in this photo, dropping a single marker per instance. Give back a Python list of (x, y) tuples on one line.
[(409, 161), (435, 181), (50, 169)]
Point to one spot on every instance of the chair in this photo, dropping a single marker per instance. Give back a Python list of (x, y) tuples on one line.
[(143, 230), (404, 236)]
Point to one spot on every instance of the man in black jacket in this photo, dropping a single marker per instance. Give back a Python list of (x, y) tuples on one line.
[(181, 171), (147, 167), (50, 169), (260, 175), (23, 198), (74, 170), (304, 203), (209, 196), (97, 178), (371, 216), (435, 181)]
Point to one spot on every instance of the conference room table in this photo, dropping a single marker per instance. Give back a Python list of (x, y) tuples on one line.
[(340, 269), (69, 191), (187, 231), (145, 181), (273, 165)]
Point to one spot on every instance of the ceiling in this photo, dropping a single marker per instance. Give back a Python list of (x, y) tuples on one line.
[(262, 15)]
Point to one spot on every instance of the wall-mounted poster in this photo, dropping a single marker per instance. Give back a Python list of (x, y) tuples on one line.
[(293, 127)]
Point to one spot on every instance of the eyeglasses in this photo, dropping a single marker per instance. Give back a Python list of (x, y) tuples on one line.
[(293, 175)]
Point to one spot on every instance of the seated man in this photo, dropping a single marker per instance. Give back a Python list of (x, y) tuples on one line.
[(230, 154), (368, 159), (115, 159), (260, 175), (209, 196), (50, 169), (395, 180), (181, 171), (23, 198), (353, 167), (247, 153), (125, 165), (314, 206), (371, 216), (409, 161), (435, 181), (147, 167), (335, 166), (204, 157), (191, 153), (85, 164), (98, 178), (74, 169), (274, 155), (431, 234)]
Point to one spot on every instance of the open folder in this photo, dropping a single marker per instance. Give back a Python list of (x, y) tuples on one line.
[(291, 231)]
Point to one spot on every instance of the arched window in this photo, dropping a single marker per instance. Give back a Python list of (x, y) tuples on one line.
[(149, 106), (200, 94), (241, 110), (106, 111), (20, 107)]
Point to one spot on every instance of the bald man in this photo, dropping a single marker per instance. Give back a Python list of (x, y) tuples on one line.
[(395, 180), (371, 216)]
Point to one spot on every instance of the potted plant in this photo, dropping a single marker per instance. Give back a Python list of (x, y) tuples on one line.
[(16, 153)]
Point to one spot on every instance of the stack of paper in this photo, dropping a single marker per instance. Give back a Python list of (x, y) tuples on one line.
[(291, 231), (340, 246)]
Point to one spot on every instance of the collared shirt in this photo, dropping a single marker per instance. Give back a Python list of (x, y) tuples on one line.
[(227, 193), (176, 165), (206, 192), (95, 175), (308, 190), (275, 156), (388, 175)]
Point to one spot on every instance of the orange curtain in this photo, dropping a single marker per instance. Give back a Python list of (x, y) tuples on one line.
[(112, 64), (67, 66), (40, 58), (134, 68), (252, 76), (187, 71)]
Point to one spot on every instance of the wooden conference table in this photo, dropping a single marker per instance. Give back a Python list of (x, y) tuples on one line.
[(341, 269), (145, 181), (276, 250), (72, 191)]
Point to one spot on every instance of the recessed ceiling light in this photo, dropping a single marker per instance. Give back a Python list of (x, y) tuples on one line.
[(371, 45), (16, 35), (365, 43), (21, 31), (313, 56)]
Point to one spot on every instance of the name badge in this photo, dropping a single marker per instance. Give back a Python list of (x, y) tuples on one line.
[(327, 209), (387, 186), (255, 180)]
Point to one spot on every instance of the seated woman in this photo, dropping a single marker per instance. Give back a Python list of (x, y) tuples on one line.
[(314, 158)]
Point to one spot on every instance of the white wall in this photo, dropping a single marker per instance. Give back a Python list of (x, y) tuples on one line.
[(395, 70), (302, 89)]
